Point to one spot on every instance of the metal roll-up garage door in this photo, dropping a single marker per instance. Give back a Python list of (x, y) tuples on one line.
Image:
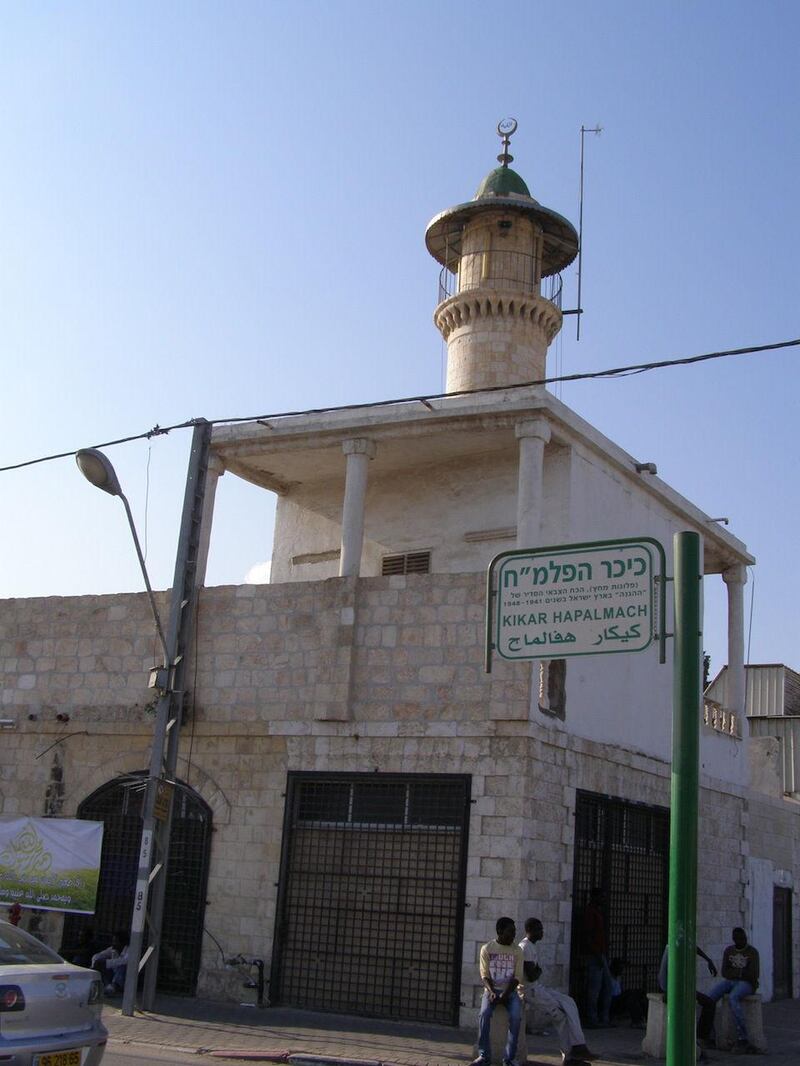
[(371, 899)]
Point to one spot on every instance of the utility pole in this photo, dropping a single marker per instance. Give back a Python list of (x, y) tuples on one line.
[(148, 908)]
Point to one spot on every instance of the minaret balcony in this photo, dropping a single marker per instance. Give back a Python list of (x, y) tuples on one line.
[(479, 298), (502, 271)]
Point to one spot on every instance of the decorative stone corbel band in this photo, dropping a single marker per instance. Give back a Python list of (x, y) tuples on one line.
[(358, 451)]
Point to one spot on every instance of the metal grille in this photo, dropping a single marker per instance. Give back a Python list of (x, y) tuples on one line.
[(371, 901), (119, 806), (499, 269), (622, 848)]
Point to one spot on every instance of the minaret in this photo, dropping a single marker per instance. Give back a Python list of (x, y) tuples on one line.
[(500, 287)]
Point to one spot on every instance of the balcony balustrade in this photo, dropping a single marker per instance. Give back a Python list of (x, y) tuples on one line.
[(500, 269), (718, 718)]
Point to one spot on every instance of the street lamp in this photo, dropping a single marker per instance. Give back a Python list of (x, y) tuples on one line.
[(97, 469), (170, 680)]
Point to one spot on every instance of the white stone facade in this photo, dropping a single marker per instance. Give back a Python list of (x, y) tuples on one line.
[(380, 673)]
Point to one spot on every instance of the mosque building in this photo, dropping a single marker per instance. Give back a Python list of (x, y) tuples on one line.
[(357, 799)]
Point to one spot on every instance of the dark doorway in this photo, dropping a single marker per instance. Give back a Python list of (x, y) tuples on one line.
[(118, 805), (371, 902), (623, 848), (781, 943)]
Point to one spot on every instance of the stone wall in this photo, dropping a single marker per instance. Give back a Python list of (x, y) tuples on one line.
[(345, 675)]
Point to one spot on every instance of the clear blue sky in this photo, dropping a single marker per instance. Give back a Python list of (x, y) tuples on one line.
[(218, 209)]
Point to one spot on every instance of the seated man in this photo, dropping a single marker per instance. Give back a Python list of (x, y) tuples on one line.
[(112, 964), (740, 972), (501, 973), (559, 1008), (630, 1001), (705, 1022)]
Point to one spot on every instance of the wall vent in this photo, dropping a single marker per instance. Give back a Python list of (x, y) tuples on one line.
[(409, 563)]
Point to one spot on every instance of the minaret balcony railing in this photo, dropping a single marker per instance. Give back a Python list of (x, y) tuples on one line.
[(494, 268)]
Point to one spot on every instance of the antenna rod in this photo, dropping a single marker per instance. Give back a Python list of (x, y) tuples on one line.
[(584, 131)]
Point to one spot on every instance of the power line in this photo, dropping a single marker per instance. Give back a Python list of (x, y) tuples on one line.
[(614, 372)]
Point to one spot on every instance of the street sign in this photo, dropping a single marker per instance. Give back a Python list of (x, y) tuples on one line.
[(163, 799), (575, 599)]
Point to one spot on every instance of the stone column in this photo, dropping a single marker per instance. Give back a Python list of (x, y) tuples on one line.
[(735, 578), (216, 468), (359, 452), (532, 434)]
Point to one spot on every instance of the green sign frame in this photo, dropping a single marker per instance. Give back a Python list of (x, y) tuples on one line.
[(595, 588)]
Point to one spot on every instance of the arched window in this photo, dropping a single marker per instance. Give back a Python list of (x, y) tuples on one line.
[(118, 804)]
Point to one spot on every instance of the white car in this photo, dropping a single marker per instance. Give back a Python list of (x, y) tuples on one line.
[(49, 1009)]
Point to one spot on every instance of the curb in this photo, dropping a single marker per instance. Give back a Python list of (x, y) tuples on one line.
[(250, 1056), (303, 1059), (294, 1058)]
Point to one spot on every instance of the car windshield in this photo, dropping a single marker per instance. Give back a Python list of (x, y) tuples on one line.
[(17, 947)]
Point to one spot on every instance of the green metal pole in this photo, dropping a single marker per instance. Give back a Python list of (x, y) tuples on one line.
[(682, 942)]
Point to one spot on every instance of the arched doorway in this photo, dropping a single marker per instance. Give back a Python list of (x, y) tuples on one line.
[(118, 804)]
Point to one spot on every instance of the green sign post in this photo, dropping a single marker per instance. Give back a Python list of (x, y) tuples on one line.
[(608, 596), (686, 707)]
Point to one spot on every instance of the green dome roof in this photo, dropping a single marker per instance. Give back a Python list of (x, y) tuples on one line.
[(502, 181)]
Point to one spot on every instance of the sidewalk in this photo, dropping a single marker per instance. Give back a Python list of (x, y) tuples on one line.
[(278, 1034)]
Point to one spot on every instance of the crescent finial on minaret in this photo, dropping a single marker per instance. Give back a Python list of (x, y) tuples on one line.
[(506, 128)]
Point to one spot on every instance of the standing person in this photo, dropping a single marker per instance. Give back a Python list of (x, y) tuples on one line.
[(740, 972), (705, 1023), (112, 964), (595, 947), (502, 974), (559, 1008)]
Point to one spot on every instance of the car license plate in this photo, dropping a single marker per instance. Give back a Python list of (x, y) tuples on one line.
[(59, 1058)]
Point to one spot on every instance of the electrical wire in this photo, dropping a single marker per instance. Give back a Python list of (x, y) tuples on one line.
[(219, 946), (614, 372), (154, 432), (147, 497), (192, 706)]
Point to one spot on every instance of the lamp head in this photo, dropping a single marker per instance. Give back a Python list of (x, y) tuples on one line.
[(97, 469)]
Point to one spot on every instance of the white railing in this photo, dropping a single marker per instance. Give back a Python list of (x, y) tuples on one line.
[(716, 717)]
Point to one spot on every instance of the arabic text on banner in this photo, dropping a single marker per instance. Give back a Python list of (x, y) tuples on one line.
[(50, 863)]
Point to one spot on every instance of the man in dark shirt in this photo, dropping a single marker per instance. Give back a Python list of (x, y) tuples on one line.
[(740, 972)]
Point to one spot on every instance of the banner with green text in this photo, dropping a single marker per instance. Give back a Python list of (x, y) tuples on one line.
[(50, 863)]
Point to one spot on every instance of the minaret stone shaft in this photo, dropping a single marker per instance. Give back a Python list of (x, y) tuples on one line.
[(498, 253)]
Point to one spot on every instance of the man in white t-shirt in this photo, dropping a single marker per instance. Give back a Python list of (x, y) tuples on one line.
[(557, 1007), (501, 973)]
